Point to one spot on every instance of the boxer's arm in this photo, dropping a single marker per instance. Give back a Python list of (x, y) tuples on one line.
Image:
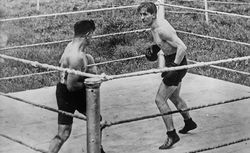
[(171, 38), (91, 69)]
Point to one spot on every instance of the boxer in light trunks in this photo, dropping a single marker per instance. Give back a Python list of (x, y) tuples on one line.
[(70, 91), (174, 50)]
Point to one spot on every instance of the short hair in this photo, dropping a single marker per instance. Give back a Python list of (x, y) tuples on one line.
[(83, 27), (150, 6)]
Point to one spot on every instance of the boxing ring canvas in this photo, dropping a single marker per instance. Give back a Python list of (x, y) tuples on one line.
[(127, 98)]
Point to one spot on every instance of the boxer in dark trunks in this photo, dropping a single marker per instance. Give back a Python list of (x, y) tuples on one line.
[(70, 91), (173, 78), (174, 52)]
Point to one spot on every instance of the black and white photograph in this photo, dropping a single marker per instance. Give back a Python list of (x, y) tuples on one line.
[(124, 76)]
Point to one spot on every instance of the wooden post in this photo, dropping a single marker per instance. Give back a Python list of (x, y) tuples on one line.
[(206, 13), (113, 11), (37, 5), (93, 115), (161, 9)]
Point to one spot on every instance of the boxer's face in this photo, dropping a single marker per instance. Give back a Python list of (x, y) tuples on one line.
[(146, 17)]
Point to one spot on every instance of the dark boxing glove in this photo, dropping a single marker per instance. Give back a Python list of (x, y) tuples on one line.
[(151, 52)]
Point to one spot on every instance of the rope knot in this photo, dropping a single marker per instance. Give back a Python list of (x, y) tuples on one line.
[(105, 124), (104, 77)]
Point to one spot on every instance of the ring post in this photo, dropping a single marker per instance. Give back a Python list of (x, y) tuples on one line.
[(37, 5), (206, 13), (93, 115), (161, 9)]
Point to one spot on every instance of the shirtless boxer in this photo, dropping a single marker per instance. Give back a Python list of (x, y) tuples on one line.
[(70, 91), (174, 50)]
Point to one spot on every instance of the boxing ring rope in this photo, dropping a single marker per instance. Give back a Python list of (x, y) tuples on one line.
[(63, 41), (118, 60), (113, 34), (200, 64), (96, 64), (210, 37), (26, 75), (120, 33), (118, 76), (223, 68), (43, 106), (210, 11), (96, 122), (34, 45), (47, 66), (122, 121), (23, 143), (217, 2), (108, 124), (111, 77), (134, 31), (115, 8), (68, 13), (106, 78), (176, 112), (200, 150), (221, 145), (194, 151)]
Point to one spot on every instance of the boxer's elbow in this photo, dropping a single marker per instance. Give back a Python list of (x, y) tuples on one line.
[(181, 50), (184, 47)]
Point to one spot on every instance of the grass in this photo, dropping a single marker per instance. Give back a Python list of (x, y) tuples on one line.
[(47, 29)]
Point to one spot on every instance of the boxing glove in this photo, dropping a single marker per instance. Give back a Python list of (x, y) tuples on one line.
[(151, 52)]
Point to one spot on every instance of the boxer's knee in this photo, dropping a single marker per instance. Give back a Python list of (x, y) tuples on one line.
[(159, 101), (64, 132)]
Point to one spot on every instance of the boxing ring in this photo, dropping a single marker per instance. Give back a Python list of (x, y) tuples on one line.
[(105, 91)]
